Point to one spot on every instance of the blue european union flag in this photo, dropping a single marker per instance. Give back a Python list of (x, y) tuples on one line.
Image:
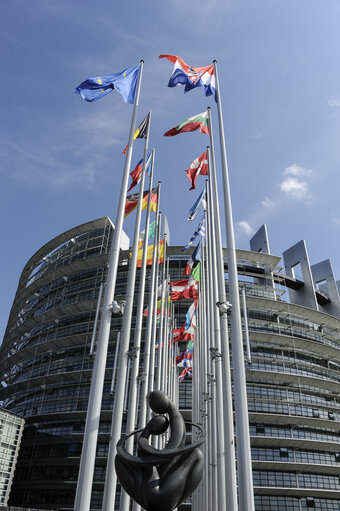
[(98, 86)]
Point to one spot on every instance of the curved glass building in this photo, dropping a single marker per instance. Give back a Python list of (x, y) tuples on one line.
[(293, 380)]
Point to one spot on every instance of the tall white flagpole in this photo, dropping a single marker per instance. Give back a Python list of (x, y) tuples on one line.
[(123, 372), (147, 343), (88, 456), (227, 396), (244, 467)]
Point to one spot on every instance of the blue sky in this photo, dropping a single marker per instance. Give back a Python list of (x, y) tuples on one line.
[(60, 157)]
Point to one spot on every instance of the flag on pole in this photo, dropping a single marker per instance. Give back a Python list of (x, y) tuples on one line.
[(191, 77), (196, 256), (137, 171), (196, 272), (199, 121), (149, 255), (159, 303), (166, 230), (141, 131), (184, 289), (151, 234), (200, 231), (187, 371), (198, 166), (191, 315), (131, 201), (98, 86), (199, 202), (186, 356)]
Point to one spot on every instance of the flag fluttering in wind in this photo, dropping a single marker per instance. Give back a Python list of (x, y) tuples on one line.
[(196, 256), (185, 359), (141, 131), (199, 202), (196, 272), (199, 121), (98, 86), (137, 171), (191, 77), (200, 231), (187, 371), (198, 166), (149, 255), (131, 201), (184, 289)]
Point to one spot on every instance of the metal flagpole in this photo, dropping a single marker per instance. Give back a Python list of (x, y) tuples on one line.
[(133, 402), (204, 504), (161, 346), (245, 317), (216, 352), (88, 456), (99, 302), (244, 467), (109, 494), (147, 343), (212, 367), (151, 383), (228, 418), (118, 405), (165, 353)]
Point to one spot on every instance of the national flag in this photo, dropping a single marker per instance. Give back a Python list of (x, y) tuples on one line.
[(196, 272), (200, 231), (149, 255), (137, 171), (166, 230), (196, 256), (151, 234), (187, 331), (152, 227), (187, 371), (159, 303), (199, 202), (131, 201), (191, 315), (98, 86), (191, 77), (141, 131), (184, 289), (198, 166), (186, 357), (199, 121)]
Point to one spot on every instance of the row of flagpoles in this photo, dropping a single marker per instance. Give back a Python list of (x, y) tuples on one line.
[(206, 355)]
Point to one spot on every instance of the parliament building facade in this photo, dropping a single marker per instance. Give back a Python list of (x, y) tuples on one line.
[(293, 380)]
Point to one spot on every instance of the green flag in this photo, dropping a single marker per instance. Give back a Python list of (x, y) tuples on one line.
[(152, 229), (196, 272)]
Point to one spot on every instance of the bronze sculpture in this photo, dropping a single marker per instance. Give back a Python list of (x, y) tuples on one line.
[(160, 479)]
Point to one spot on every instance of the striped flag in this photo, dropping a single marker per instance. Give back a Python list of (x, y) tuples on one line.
[(200, 231), (198, 121), (184, 289), (131, 201), (141, 131), (196, 256)]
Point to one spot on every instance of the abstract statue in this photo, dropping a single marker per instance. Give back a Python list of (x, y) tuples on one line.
[(160, 479)]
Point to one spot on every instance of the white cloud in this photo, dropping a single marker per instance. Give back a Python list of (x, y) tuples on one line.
[(334, 102), (246, 227), (267, 202), (336, 220), (295, 188), (296, 170)]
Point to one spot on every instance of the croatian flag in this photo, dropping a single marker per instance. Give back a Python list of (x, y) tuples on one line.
[(191, 77)]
